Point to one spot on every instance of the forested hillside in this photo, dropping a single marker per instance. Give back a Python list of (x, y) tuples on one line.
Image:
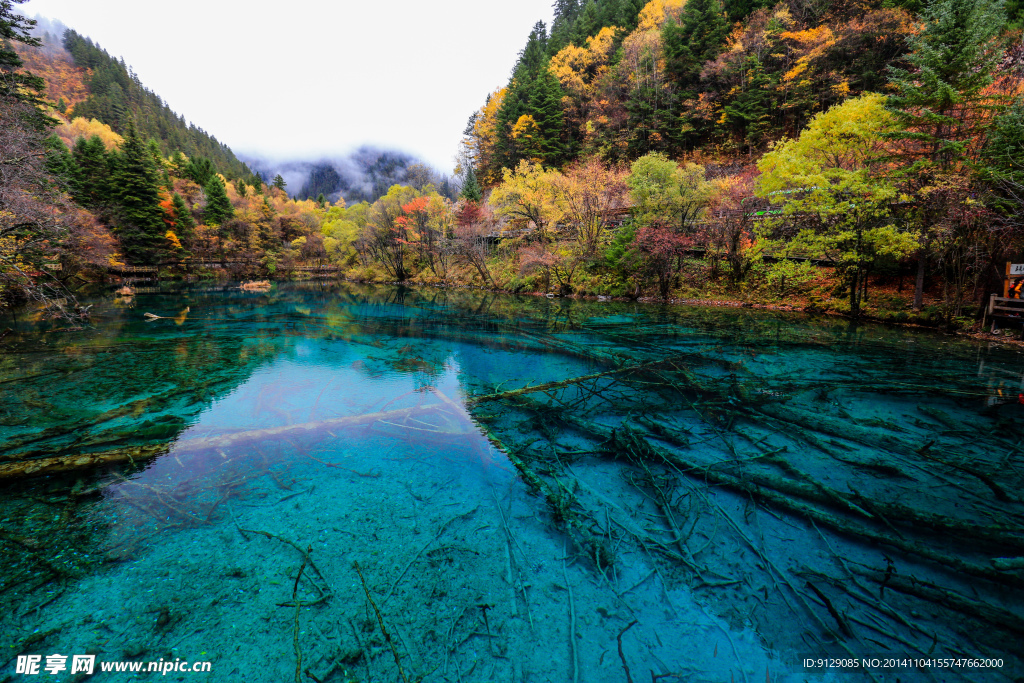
[(97, 172), (820, 152), (82, 80), (809, 147), (621, 79)]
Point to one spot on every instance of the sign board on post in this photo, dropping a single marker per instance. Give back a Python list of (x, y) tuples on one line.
[(1012, 270)]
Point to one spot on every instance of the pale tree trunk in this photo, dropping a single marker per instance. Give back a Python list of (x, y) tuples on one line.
[(922, 260)]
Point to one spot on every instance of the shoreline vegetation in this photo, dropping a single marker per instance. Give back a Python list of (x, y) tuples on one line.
[(901, 317), (774, 157)]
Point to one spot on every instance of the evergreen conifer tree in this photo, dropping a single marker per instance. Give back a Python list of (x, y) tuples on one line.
[(546, 109), (1015, 13), (737, 10), (140, 224), (629, 14), (471, 188), (609, 13), (91, 173), (13, 81), (533, 92), (200, 170), (562, 26), (952, 62), (279, 182), (696, 39), (1004, 155), (939, 105), (748, 113), (588, 23), (218, 207), (156, 153), (59, 162), (183, 221)]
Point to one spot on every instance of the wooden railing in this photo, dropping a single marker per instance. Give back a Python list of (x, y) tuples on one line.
[(133, 269), (128, 270), (1006, 310), (317, 269)]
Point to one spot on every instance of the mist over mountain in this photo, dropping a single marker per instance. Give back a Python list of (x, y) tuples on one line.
[(362, 175), (49, 30)]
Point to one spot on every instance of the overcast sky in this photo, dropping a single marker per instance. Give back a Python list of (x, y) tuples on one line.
[(308, 77)]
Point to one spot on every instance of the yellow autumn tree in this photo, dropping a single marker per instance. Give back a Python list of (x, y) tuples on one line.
[(581, 71), (80, 127), (587, 195), (173, 239), (483, 139), (834, 178), (526, 133), (652, 17), (643, 60), (578, 69), (526, 196)]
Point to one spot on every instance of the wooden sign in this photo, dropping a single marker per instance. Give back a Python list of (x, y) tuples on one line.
[(1013, 270)]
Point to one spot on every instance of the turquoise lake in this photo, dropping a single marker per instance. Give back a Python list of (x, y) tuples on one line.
[(336, 482)]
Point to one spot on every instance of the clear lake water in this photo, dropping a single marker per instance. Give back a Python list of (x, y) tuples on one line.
[(338, 482)]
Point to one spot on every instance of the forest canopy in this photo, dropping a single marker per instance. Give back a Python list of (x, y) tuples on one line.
[(789, 150)]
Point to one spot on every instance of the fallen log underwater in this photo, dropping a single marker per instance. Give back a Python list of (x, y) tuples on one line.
[(60, 464), (652, 432), (31, 467), (784, 494)]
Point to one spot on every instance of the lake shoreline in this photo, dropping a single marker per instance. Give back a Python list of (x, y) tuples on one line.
[(806, 308)]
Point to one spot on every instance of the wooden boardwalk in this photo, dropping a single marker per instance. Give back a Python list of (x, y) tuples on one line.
[(191, 265), (1005, 311)]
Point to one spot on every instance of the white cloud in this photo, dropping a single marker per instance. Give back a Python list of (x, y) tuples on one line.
[(302, 78)]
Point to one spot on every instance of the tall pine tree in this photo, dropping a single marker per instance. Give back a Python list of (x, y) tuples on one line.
[(940, 99), (91, 173), (14, 82), (546, 109), (629, 14), (183, 221), (690, 43), (140, 220), (941, 105), (562, 26), (536, 94), (748, 113), (471, 188), (218, 206), (588, 23)]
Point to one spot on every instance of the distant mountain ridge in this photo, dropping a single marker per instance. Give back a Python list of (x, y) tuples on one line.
[(362, 175), (82, 79)]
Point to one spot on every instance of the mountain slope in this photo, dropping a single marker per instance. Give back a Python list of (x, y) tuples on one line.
[(82, 79)]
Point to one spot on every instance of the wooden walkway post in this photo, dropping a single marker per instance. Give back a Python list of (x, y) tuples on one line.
[(1005, 306)]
